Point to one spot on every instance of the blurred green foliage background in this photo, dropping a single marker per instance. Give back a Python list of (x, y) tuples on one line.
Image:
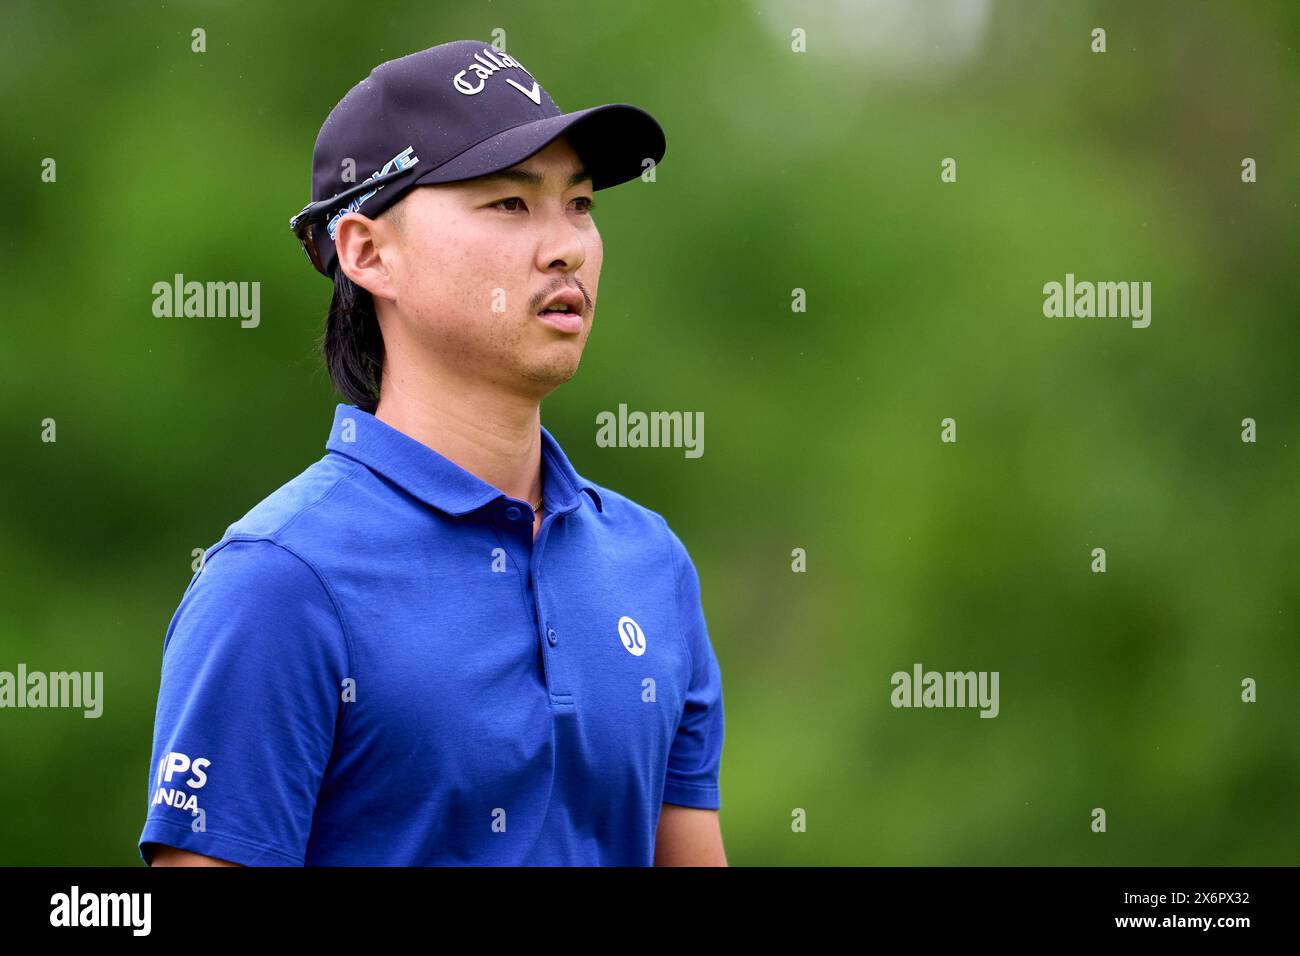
[(817, 171)]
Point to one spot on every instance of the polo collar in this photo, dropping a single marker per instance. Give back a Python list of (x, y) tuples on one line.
[(439, 481)]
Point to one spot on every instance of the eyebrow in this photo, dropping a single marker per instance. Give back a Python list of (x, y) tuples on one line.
[(529, 177)]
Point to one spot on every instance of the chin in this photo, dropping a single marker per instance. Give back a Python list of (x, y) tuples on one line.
[(552, 373)]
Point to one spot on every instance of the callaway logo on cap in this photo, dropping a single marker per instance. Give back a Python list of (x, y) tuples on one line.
[(455, 111)]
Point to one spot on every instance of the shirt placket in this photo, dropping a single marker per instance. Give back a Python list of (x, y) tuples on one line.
[(548, 627)]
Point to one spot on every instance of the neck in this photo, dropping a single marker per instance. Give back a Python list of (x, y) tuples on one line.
[(492, 434)]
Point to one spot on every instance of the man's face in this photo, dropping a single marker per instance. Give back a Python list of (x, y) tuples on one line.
[(472, 264)]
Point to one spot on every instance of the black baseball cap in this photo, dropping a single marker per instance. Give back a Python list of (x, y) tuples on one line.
[(451, 112)]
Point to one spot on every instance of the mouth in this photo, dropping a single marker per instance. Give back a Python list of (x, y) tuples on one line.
[(564, 312), (564, 321)]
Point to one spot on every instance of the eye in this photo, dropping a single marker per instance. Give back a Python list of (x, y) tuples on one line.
[(585, 204)]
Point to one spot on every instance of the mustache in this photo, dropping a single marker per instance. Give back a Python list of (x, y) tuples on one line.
[(576, 284)]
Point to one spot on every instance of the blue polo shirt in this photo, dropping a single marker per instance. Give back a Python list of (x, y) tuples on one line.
[(378, 665)]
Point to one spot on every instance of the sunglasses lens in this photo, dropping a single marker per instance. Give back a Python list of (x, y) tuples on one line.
[(308, 238)]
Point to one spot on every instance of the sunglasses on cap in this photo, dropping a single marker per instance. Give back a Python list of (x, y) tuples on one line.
[(316, 214)]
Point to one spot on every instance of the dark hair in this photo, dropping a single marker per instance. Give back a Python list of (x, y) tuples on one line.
[(352, 347)]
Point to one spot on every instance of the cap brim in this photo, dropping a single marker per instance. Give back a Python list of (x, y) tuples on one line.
[(613, 141)]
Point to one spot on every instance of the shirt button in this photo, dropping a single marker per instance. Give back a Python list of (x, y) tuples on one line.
[(512, 513), (551, 637)]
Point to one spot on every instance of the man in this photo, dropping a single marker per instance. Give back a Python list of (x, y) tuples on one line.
[(439, 644)]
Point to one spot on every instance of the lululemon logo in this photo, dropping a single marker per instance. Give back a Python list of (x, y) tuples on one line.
[(633, 638)]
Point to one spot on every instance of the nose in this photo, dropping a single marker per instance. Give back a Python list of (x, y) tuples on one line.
[(561, 245)]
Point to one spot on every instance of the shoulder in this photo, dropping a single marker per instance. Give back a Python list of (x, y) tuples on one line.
[(261, 587), (314, 490), (635, 520), (268, 565), (288, 521)]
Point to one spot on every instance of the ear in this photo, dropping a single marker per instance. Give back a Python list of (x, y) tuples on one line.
[(366, 252)]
